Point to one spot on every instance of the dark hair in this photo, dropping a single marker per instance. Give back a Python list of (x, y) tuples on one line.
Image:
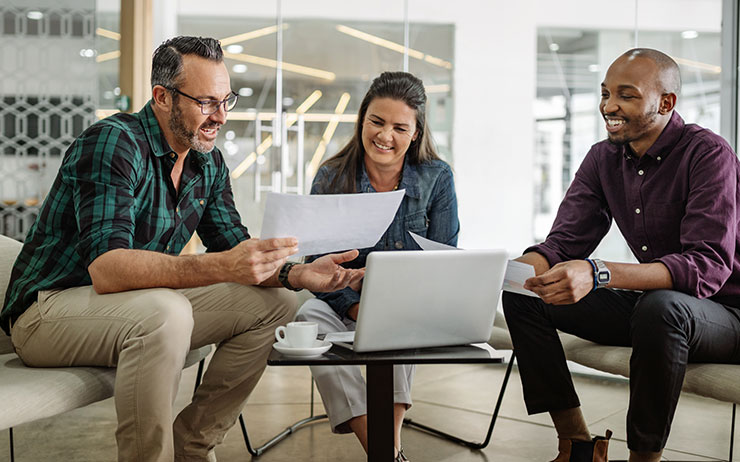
[(167, 58), (400, 86), (670, 74)]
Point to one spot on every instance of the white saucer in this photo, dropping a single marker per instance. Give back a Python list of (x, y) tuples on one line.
[(320, 347)]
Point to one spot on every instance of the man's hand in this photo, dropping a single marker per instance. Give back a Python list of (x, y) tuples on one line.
[(564, 283), (253, 261), (325, 274)]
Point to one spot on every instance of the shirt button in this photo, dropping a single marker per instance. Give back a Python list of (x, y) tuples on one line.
[(177, 209), (168, 247), (644, 248), (637, 211), (658, 157), (640, 172), (399, 245), (202, 202), (172, 155)]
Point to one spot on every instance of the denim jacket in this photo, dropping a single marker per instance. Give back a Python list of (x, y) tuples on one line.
[(429, 209)]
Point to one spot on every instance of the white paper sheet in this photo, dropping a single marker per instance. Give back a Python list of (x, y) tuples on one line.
[(347, 336), (330, 222), (428, 244), (516, 274)]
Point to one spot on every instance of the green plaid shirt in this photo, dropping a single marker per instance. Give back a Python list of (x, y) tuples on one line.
[(114, 191)]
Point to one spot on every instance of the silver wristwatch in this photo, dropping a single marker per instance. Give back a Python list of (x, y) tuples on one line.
[(602, 275)]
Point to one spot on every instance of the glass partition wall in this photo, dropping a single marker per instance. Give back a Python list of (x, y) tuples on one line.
[(513, 94)]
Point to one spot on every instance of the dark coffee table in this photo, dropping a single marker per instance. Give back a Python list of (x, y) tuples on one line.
[(380, 381)]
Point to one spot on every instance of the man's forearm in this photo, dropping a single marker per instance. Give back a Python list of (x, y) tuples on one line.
[(644, 276), (127, 269), (535, 259)]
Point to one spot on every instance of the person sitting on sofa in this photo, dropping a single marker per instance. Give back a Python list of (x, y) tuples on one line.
[(100, 282), (391, 149), (672, 189)]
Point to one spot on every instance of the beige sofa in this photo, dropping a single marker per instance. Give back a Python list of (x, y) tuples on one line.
[(33, 393)]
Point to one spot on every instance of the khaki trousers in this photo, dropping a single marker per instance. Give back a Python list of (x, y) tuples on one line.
[(146, 334)]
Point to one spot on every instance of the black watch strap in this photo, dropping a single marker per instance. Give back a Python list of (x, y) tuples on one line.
[(283, 275)]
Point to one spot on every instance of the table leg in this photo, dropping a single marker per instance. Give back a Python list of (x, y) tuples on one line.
[(380, 413)]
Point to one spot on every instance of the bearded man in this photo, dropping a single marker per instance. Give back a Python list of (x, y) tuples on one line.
[(100, 282)]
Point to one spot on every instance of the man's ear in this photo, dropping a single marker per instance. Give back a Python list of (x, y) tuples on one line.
[(162, 97), (667, 103)]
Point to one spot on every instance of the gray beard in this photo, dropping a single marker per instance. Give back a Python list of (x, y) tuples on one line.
[(184, 136)]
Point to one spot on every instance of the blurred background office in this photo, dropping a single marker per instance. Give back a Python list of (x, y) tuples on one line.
[(513, 91), (513, 88)]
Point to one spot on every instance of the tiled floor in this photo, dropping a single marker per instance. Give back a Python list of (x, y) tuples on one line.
[(458, 399)]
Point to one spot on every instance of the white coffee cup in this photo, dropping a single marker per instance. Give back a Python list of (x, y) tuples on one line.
[(299, 334)]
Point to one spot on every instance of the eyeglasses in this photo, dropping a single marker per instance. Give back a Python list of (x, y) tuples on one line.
[(211, 106)]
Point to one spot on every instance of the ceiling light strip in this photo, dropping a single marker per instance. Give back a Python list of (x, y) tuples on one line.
[(313, 167), (265, 145), (251, 35), (699, 65), (295, 68), (108, 56), (107, 33), (397, 47)]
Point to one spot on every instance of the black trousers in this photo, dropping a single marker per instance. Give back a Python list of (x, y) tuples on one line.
[(666, 330)]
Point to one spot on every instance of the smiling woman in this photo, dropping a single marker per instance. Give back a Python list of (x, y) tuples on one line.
[(391, 150)]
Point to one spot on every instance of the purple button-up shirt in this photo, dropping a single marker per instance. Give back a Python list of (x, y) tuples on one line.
[(677, 204)]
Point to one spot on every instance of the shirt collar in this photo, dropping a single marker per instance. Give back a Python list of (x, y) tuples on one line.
[(668, 138), (158, 143), (409, 180)]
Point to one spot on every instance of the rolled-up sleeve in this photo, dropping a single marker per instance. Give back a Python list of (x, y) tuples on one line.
[(709, 226), (582, 219), (100, 172)]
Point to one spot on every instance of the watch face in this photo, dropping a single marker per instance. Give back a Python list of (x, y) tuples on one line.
[(604, 277)]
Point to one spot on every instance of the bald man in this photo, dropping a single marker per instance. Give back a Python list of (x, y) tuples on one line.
[(672, 189)]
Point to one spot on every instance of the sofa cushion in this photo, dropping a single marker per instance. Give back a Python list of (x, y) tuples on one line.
[(9, 249), (31, 393)]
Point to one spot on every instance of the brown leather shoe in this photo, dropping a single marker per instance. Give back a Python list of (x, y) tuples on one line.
[(584, 451)]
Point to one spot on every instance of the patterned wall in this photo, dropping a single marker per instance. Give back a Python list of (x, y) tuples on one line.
[(48, 95)]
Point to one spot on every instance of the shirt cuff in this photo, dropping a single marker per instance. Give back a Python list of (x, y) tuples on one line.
[(550, 255)]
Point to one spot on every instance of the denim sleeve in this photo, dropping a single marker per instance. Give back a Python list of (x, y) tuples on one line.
[(340, 301), (444, 225)]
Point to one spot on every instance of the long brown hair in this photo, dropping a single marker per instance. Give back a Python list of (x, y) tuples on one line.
[(400, 86)]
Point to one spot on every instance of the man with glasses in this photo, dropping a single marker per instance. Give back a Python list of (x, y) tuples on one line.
[(100, 282)]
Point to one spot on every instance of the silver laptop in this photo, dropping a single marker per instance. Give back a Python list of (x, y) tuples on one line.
[(417, 299)]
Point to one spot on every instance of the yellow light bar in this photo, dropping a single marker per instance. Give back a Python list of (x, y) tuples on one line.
[(108, 56), (313, 117), (296, 68), (375, 40), (244, 165), (267, 142), (441, 88), (313, 167), (251, 35), (107, 33), (699, 65)]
